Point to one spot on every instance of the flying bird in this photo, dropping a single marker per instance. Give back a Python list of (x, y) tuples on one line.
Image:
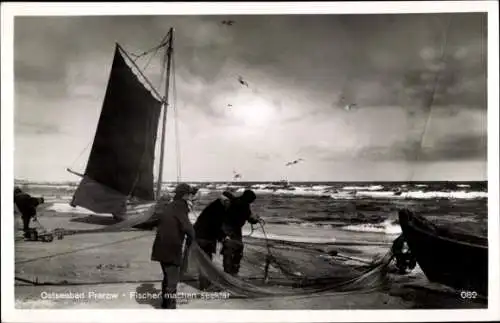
[(293, 162), (349, 107), (236, 175), (346, 106), (229, 105), (228, 22), (242, 81)]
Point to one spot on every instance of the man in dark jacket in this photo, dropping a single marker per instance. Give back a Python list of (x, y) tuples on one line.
[(236, 216), (404, 258), (27, 205), (208, 229), (173, 227)]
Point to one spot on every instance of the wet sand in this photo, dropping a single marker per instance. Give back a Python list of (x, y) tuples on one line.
[(119, 264)]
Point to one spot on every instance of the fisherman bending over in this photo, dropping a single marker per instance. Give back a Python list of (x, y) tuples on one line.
[(173, 226), (237, 214), (208, 229), (404, 258), (27, 205)]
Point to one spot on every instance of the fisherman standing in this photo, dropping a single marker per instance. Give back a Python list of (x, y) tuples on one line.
[(173, 226), (208, 229), (237, 214), (26, 205)]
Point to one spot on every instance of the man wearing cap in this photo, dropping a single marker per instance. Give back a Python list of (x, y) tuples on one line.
[(173, 227), (208, 229), (237, 214)]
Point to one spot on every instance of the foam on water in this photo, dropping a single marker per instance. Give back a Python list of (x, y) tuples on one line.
[(383, 194), (290, 238), (386, 227), (445, 195), (367, 188), (297, 191), (325, 191), (424, 195)]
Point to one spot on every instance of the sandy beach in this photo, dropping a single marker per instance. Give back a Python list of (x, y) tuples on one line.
[(110, 267)]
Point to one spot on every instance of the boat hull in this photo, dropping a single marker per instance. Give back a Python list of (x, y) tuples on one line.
[(456, 260)]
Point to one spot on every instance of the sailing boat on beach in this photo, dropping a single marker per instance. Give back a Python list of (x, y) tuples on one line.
[(119, 180), (119, 175)]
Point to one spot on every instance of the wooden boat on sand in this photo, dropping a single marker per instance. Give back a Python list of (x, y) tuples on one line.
[(454, 259)]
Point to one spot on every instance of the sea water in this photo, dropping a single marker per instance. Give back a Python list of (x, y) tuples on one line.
[(355, 207)]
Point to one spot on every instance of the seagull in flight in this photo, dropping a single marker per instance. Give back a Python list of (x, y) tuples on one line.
[(293, 162), (350, 106), (242, 81), (228, 22), (236, 175), (347, 106)]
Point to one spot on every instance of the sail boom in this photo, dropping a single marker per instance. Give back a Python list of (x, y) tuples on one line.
[(74, 173)]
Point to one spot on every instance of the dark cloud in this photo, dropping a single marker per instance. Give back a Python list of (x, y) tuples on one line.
[(306, 67), (453, 148), (461, 147), (407, 150), (366, 57), (456, 148)]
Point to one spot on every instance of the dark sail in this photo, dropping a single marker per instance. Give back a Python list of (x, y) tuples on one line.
[(122, 156)]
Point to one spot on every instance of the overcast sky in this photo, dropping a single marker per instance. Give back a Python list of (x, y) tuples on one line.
[(301, 71)]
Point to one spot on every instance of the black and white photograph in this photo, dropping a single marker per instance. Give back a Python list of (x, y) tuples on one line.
[(177, 160)]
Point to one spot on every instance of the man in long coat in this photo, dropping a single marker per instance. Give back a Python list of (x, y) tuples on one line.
[(173, 226)]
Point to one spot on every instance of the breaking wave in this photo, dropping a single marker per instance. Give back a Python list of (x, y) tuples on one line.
[(386, 227), (367, 188), (374, 193)]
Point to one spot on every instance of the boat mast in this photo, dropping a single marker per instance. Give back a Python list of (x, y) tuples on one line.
[(165, 109)]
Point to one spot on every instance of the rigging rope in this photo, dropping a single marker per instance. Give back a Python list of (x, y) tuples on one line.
[(164, 42), (149, 127), (81, 154), (162, 79)]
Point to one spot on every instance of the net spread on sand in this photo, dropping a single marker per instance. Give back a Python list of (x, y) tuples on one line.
[(293, 268), (285, 279)]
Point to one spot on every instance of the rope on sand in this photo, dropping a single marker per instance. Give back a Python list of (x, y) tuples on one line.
[(82, 249)]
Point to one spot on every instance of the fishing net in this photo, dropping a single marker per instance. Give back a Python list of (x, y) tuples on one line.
[(284, 268), (285, 279), (269, 268)]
